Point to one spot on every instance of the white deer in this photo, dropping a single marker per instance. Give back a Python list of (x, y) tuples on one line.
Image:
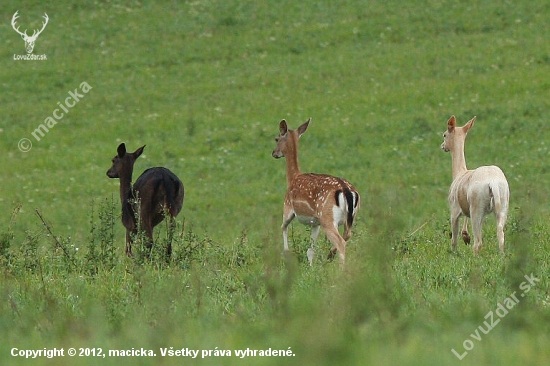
[(317, 200), (29, 41), (474, 193)]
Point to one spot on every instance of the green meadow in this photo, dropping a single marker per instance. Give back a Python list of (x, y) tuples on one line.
[(204, 84)]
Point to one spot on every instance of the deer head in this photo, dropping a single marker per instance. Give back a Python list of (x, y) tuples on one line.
[(123, 162), (455, 133), (29, 41), (288, 139)]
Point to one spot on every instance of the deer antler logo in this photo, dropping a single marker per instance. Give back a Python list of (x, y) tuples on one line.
[(29, 41)]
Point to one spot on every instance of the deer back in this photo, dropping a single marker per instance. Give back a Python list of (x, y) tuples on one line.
[(316, 195), (158, 188)]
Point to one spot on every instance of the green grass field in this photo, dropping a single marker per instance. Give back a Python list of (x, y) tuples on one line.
[(204, 84)]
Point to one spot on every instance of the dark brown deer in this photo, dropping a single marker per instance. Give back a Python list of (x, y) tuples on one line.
[(157, 192)]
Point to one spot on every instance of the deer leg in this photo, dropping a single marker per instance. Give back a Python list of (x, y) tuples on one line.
[(465, 235), (311, 251), (171, 229), (287, 219), (129, 244), (455, 216), (477, 221), (501, 221), (347, 231), (148, 230), (339, 244)]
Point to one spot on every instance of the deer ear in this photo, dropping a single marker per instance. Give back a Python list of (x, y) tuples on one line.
[(303, 128), (451, 124), (283, 128), (121, 150), (470, 124), (138, 152)]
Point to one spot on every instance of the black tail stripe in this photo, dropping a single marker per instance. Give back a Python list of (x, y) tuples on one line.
[(350, 197), (352, 202), (337, 197)]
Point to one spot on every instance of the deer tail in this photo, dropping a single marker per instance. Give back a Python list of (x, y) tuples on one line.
[(351, 203), (173, 189), (498, 201)]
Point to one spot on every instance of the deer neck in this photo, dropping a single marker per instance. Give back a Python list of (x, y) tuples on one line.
[(458, 159), (127, 193), (125, 188), (292, 166)]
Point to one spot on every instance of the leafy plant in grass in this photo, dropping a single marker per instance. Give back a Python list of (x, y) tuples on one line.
[(7, 237), (29, 256), (63, 250), (189, 248), (102, 253)]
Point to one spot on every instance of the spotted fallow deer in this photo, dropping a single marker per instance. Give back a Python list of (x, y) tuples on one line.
[(474, 193), (157, 192), (317, 200)]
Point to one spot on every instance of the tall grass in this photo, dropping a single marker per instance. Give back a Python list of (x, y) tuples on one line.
[(401, 298)]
